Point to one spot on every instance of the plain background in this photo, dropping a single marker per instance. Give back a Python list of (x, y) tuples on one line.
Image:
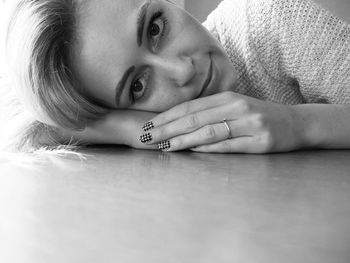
[(201, 8)]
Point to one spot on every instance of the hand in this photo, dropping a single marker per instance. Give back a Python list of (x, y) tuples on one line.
[(254, 126), (123, 127), (116, 127)]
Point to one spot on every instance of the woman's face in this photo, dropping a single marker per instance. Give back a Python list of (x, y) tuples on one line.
[(147, 55)]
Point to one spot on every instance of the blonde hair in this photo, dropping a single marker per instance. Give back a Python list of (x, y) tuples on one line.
[(40, 39)]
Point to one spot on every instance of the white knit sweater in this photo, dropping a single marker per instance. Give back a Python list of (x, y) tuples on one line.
[(286, 51)]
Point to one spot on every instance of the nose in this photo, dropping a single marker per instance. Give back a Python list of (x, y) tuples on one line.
[(178, 69)]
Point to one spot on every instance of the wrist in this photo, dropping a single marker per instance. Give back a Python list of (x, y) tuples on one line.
[(307, 126)]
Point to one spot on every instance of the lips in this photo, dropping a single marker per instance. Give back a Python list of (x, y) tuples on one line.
[(208, 78)]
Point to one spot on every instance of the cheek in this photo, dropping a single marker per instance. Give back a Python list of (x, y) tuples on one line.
[(164, 95), (164, 99), (193, 39)]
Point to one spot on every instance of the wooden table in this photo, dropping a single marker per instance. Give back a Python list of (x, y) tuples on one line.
[(123, 205)]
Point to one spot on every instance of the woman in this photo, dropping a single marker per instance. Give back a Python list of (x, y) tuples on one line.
[(260, 76)]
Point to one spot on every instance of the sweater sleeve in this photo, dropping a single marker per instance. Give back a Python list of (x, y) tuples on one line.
[(300, 40)]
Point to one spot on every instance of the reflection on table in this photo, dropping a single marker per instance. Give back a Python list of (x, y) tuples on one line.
[(124, 205)]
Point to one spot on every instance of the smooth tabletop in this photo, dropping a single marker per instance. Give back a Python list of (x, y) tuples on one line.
[(123, 205)]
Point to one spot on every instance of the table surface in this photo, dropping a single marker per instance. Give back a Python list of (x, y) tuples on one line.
[(124, 205)]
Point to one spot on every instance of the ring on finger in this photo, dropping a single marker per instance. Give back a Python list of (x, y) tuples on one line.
[(224, 121)]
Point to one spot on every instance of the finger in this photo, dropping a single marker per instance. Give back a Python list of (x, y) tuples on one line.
[(244, 144), (189, 107), (186, 124), (209, 134), (142, 146), (206, 135)]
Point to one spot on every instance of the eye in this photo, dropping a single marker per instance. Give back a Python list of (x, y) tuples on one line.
[(157, 28), (139, 86)]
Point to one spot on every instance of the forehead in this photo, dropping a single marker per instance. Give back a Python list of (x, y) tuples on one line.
[(106, 15), (106, 38), (108, 6)]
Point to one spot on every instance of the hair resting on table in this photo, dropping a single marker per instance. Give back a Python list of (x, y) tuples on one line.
[(40, 38)]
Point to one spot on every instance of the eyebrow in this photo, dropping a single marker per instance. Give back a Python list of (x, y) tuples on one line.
[(141, 22), (122, 84)]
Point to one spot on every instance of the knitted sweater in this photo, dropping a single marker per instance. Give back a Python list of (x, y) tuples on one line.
[(286, 51)]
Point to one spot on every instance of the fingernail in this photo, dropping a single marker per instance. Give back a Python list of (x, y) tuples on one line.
[(148, 126), (164, 145), (147, 137)]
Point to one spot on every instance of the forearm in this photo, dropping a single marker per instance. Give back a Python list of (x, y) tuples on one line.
[(117, 127), (324, 126), (92, 134)]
